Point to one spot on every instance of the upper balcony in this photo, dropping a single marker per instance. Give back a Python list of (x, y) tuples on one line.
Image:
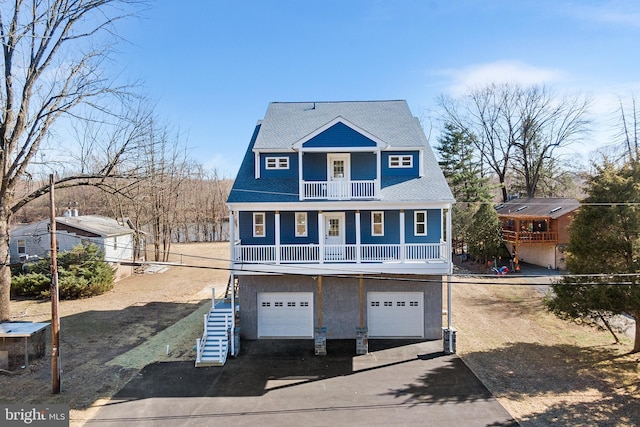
[(340, 190)]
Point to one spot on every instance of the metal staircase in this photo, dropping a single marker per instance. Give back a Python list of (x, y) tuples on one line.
[(213, 348)]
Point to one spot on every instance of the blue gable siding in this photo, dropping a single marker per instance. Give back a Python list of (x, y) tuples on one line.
[(339, 135), (292, 172), (363, 166), (413, 171)]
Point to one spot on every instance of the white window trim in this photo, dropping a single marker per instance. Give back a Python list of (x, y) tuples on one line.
[(277, 163), (264, 225), (398, 161), (415, 223), (306, 224), (373, 214)]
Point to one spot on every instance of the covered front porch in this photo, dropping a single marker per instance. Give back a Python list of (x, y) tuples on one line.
[(399, 257)]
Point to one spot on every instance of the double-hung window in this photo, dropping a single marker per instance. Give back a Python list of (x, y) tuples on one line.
[(22, 246), (259, 228), (301, 224), (420, 223), (377, 223)]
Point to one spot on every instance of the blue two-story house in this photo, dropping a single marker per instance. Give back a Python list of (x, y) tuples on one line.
[(339, 219)]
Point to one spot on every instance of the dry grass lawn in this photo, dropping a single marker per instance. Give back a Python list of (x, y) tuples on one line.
[(543, 370)]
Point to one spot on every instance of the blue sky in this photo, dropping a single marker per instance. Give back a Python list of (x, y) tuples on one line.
[(213, 66)]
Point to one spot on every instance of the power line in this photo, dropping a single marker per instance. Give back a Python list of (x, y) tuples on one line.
[(386, 277)]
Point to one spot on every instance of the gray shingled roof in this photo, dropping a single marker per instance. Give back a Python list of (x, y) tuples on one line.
[(286, 123), (390, 121), (537, 207), (97, 224)]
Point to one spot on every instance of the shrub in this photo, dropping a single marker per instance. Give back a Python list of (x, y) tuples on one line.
[(82, 273)]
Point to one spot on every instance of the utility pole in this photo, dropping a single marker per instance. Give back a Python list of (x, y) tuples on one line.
[(55, 316)]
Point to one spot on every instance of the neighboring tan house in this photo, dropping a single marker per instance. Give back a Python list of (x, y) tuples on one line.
[(536, 229), (30, 242), (339, 217)]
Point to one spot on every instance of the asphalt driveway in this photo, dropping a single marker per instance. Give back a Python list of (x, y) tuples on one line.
[(282, 383)]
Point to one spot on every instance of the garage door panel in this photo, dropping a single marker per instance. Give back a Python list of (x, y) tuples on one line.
[(395, 314), (285, 314)]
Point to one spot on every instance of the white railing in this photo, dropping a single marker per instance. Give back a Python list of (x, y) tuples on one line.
[(201, 342), (311, 253), (339, 190), (419, 252)]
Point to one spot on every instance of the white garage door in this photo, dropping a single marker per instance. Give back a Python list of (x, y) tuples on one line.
[(285, 315), (395, 314)]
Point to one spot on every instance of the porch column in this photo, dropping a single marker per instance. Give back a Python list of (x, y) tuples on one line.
[(378, 173), (449, 336), (321, 237), (449, 238), (277, 237), (300, 182), (232, 235), (402, 238), (358, 239)]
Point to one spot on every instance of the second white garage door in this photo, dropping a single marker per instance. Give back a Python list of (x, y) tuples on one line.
[(285, 315), (395, 314)]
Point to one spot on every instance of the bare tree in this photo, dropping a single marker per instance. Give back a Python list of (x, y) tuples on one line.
[(629, 132), (52, 52), (547, 123), (518, 128)]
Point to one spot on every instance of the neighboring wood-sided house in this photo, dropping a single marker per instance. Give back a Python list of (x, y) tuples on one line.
[(536, 229), (33, 241), (339, 217)]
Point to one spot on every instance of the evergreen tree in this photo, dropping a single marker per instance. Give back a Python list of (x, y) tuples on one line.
[(463, 172), (604, 240), (485, 234)]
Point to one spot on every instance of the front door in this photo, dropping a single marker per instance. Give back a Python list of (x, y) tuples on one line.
[(338, 174), (334, 236)]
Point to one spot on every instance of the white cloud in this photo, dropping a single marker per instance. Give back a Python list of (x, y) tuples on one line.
[(617, 13), (479, 75)]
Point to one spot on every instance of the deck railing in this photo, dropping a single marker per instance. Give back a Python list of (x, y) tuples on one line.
[(531, 237), (339, 190), (364, 253)]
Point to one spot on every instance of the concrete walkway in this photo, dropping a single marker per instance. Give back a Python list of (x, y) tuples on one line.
[(282, 383)]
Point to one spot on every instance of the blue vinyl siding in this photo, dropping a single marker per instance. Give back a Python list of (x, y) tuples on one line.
[(350, 227), (391, 228), (245, 225), (339, 135), (288, 228), (314, 166), (413, 171), (434, 227), (363, 166), (279, 173)]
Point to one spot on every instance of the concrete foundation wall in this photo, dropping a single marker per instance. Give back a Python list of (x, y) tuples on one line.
[(341, 304)]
